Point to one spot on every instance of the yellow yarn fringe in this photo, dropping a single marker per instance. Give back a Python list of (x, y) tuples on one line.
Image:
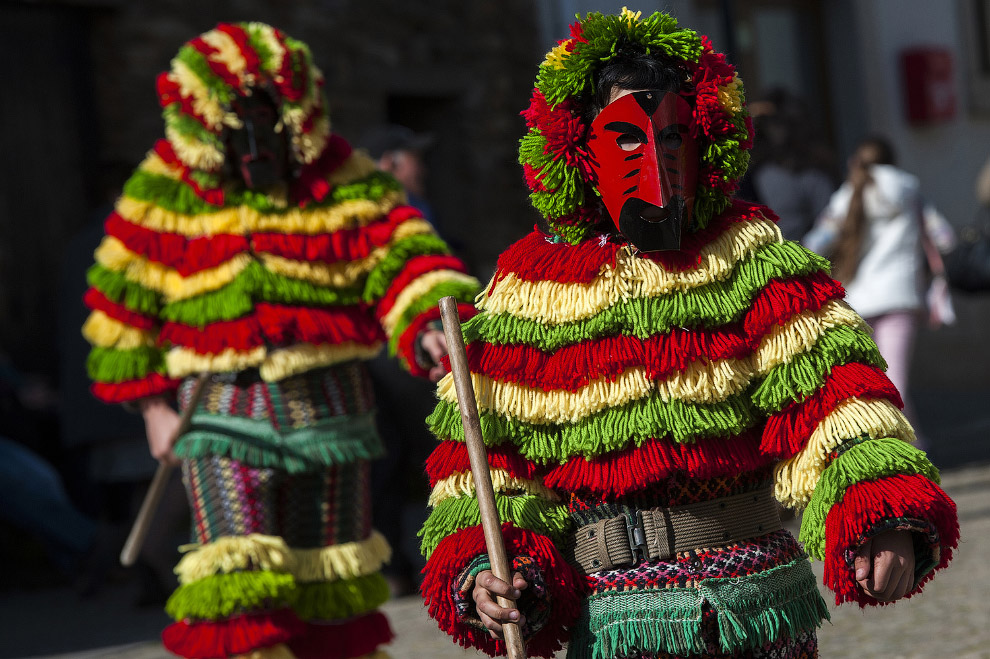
[(418, 287), (243, 220), (702, 381), (106, 332), (802, 332), (153, 164), (555, 303), (267, 34), (357, 166), (280, 651), (795, 478), (192, 152), (271, 553), (344, 561), (113, 255), (309, 146), (184, 361), (233, 553), (228, 53), (461, 484), (204, 103), (730, 96), (282, 363)]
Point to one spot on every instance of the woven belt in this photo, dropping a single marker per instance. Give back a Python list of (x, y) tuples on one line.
[(659, 533)]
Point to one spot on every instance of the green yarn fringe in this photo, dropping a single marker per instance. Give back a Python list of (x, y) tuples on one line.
[(197, 63), (527, 511), (113, 365), (401, 251), (806, 372), (117, 288), (222, 595), (337, 441), (611, 429), (460, 290), (712, 305), (752, 611), (866, 461), (253, 284), (333, 600), (189, 127)]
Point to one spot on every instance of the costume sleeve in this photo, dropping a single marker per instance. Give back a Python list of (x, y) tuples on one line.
[(405, 286), (534, 523), (834, 422), (125, 297)]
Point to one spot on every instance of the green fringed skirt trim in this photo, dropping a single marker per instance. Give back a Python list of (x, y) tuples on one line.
[(345, 598), (224, 595), (867, 460), (333, 441), (611, 429), (525, 511), (751, 612)]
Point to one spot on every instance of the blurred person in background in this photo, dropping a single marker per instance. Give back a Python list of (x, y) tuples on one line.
[(254, 247), (398, 493), (884, 240), (789, 168)]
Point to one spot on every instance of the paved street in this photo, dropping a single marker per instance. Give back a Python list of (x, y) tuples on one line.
[(951, 619)]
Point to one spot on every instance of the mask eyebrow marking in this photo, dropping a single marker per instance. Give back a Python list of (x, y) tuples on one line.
[(632, 173), (676, 187), (673, 170), (633, 156), (632, 189), (669, 156), (626, 127)]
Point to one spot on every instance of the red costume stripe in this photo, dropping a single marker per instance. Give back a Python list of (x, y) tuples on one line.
[(96, 300), (238, 635), (780, 300), (216, 66), (565, 588), (535, 258), (290, 85), (169, 92), (164, 150), (634, 468), (342, 640), (276, 324), (406, 345), (867, 503), (185, 255), (119, 392), (574, 366), (415, 267), (452, 457), (240, 37), (787, 431), (343, 245), (312, 180)]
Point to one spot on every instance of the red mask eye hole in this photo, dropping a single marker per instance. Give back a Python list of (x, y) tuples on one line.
[(671, 139), (628, 142)]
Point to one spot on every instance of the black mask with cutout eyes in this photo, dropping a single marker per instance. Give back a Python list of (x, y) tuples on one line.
[(257, 151)]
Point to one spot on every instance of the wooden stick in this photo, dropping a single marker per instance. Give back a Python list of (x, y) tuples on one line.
[(514, 644), (139, 531)]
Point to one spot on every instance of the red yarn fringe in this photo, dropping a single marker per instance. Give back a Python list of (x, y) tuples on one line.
[(277, 324), (780, 299), (451, 457), (96, 300), (120, 392), (634, 468), (576, 365), (215, 64), (163, 148), (342, 245), (867, 503), (415, 267), (787, 431), (565, 587), (406, 345), (535, 258), (342, 640), (169, 92), (312, 184), (239, 635)]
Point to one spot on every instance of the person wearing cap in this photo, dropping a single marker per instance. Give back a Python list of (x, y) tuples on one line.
[(400, 151), (655, 370)]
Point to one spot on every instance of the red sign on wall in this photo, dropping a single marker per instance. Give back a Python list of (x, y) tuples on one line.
[(929, 87)]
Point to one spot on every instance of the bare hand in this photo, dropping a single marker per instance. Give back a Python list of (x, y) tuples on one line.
[(885, 565), (435, 344), (161, 423), (486, 587)]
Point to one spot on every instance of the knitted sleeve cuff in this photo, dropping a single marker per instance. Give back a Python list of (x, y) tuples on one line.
[(534, 602)]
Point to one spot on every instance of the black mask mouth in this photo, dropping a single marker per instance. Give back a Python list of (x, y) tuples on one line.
[(653, 228)]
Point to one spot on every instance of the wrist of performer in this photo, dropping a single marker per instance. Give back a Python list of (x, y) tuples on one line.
[(923, 533), (534, 602)]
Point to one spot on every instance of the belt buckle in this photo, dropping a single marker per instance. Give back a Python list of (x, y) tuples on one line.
[(636, 534)]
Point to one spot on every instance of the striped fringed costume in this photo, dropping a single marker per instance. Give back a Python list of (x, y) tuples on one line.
[(282, 300), (609, 381)]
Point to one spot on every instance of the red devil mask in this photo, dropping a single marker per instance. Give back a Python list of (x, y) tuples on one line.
[(646, 165)]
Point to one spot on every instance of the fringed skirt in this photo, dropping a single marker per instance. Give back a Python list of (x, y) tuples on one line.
[(285, 561)]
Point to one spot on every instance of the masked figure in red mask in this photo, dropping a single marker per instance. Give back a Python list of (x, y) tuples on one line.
[(253, 244), (654, 375)]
